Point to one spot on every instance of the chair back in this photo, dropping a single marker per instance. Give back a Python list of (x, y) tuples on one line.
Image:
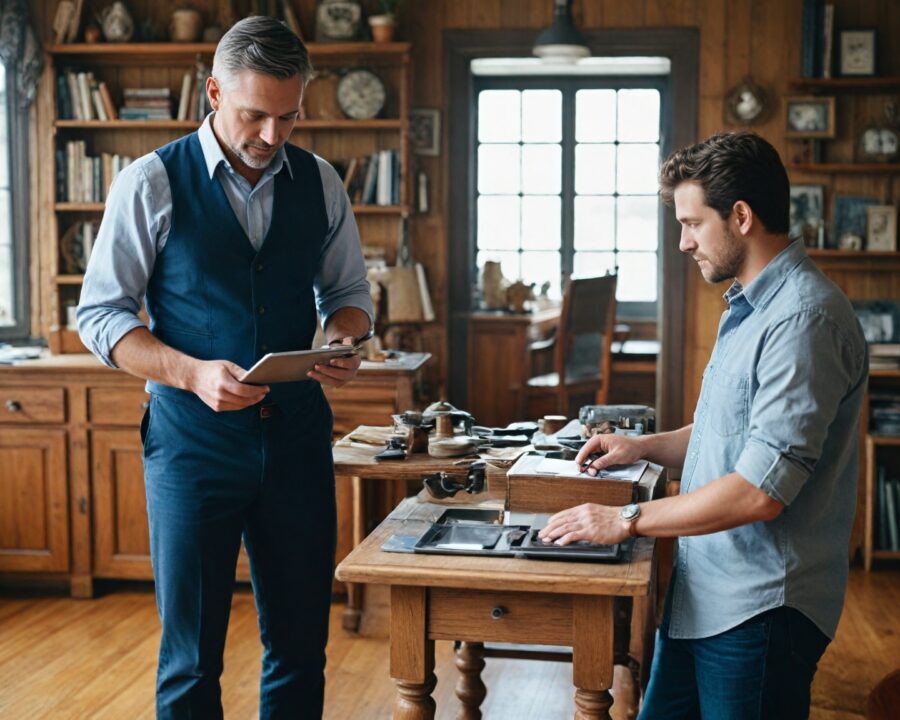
[(587, 319)]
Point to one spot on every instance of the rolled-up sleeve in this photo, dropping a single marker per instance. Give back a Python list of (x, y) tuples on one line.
[(123, 257), (341, 278), (805, 368)]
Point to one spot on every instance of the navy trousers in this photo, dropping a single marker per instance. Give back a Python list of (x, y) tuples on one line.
[(211, 481)]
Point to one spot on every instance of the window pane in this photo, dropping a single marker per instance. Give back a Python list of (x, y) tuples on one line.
[(498, 169), (637, 277), (637, 223), (541, 267), (541, 169), (499, 116), (593, 264), (7, 307), (638, 167), (595, 223), (498, 222), (638, 115), (541, 222), (595, 169), (509, 262), (595, 116), (542, 116)]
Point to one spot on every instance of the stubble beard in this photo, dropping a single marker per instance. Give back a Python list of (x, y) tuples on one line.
[(728, 262), (251, 161)]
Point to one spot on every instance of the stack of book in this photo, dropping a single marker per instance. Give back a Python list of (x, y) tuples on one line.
[(884, 414), (81, 178), (887, 505), (372, 179), (146, 104), (79, 96), (884, 356)]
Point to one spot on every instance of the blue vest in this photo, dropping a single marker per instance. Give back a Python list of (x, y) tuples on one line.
[(214, 297)]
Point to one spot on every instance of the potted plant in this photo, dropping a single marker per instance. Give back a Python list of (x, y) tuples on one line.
[(383, 20)]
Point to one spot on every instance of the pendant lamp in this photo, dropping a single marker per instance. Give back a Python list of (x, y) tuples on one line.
[(561, 42)]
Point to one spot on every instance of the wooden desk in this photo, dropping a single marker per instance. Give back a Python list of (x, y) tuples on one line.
[(474, 600)]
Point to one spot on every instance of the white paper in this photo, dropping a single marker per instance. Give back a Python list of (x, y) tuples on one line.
[(569, 468)]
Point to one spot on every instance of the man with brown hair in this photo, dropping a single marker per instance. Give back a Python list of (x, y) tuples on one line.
[(768, 488)]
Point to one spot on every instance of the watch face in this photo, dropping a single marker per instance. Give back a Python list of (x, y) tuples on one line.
[(338, 20), (629, 512), (361, 94)]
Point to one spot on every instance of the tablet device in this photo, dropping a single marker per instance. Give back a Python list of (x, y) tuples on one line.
[(292, 366)]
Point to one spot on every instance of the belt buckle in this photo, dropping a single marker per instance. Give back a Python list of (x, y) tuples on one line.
[(266, 411)]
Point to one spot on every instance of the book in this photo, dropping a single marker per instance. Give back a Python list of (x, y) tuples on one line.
[(63, 99), (108, 104), (827, 39), (368, 190), (424, 295), (290, 18), (383, 190), (882, 541), (891, 498), (75, 95), (84, 96), (184, 100), (99, 108)]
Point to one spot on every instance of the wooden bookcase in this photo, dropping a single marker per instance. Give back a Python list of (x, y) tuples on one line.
[(163, 65), (877, 449)]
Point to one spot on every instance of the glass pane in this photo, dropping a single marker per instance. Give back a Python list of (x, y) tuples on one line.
[(7, 309), (541, 169), (595, 116), (498, 222), (509, 262), (637, 223), (638, 168), (637, 277), (595, 223), (542, 116), (541, 267), (499, 169), (499, 116), (593, 264), (639, 115), (595, 169), (541, 222)]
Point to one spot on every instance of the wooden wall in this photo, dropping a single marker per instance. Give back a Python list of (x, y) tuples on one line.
[(738, 38)]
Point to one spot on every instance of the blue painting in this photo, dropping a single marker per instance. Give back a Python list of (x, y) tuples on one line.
[(850, 216)]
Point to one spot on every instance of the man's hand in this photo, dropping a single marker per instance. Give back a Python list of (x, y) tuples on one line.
[(599, 524), (216, 383), (612, 450), (338, 371)]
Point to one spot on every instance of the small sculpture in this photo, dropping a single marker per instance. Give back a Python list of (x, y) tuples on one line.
[(493, 286), (117, 23), (518, 294)]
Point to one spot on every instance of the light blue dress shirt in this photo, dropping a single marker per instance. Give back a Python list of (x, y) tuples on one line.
[(136, 225), (779, 405)]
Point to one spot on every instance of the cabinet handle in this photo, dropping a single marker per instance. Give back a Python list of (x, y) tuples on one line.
[(82, 505), (13, 406), (498, 612)]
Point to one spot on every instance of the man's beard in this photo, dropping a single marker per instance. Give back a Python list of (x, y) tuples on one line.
[(252, 161), (729, 261)]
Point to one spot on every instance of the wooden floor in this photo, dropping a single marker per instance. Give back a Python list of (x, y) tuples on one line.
[(95, 659)]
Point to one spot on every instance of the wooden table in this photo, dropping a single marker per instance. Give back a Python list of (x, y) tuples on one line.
[(477, 599)]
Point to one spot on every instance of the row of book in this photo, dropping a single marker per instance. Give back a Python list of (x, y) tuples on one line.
[(817, 39), (81, 178), (80, 96), (884, 414), (193, 102), (887, 515), (884, 356), (372, 179)]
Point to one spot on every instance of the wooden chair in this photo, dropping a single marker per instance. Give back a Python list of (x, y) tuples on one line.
[(582, 351)]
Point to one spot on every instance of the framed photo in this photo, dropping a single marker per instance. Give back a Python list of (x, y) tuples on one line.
[(881, 228), (807, 212), (857, 51), (850, 218), (880, 320), (425, 131), (809, 116)]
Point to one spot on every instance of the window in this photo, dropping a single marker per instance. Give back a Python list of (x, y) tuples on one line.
[(566, 181), (13, 245)]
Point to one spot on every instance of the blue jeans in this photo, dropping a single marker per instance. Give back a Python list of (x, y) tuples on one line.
[(210, 481), (760, 670)]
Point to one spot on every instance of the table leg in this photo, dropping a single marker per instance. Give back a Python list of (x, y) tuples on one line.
[(592, 656), (355, 591), (412, 654), (470, 688)]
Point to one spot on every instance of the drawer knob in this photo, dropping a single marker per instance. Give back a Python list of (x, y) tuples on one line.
[(498, 612), (13, 406)]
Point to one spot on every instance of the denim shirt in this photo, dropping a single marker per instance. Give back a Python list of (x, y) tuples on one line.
[(136, 225), (779, 405)]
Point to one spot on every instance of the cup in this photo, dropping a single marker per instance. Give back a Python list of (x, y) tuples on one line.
[(554, 423)]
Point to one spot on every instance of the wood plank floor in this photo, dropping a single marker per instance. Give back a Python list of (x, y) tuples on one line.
[(95, 659)]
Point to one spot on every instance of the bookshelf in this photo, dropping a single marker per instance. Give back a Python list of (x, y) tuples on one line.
[(163, 65), (879, 449)]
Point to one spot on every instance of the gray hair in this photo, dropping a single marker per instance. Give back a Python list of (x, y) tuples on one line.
[(261, 44)]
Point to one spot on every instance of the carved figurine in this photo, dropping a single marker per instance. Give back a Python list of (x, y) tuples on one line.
[(493, 286), (118, 25), (518, 294)]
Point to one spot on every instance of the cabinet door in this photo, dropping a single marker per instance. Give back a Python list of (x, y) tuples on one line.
[(34, 520), (121, 531)]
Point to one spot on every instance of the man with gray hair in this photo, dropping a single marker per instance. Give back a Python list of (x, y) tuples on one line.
[(234, 239)]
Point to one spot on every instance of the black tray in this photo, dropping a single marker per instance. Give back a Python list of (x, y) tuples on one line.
[(533, 547)]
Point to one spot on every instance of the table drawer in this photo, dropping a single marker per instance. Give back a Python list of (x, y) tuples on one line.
[(32, 405), (117, 406), (458, 614)]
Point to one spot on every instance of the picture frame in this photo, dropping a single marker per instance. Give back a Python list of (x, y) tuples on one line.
[(880, 320), (425, 131), (857, 52), (809, 116), (849, 218), (881, 228), (807, 213)]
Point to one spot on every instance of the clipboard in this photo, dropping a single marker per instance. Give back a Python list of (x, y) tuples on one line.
[(292, 366)]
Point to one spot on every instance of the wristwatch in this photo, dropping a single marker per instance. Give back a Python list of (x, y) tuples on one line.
[(629, 514)]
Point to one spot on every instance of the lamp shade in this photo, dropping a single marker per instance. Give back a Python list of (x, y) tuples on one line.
[(561, 42)]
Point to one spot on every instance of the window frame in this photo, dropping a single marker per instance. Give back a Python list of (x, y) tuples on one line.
[(569, 85), (19, 190)]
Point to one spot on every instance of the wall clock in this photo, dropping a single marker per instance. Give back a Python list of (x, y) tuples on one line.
[(361, 94)]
